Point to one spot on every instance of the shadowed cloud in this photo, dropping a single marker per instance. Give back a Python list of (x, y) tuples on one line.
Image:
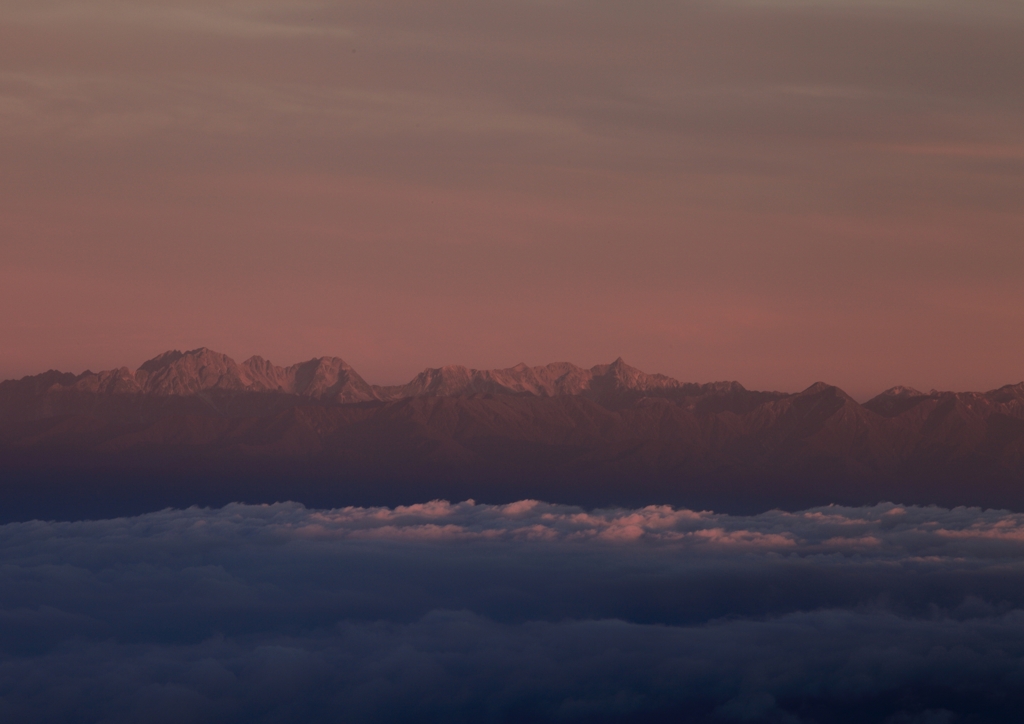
[(460, 612)]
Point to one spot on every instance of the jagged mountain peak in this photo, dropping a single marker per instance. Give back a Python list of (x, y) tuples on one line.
[(328, 378), (1017, 389), (901, 391), (449, 370), (722, 387), (606, 383), (625, 378), (257, 362), (186, 373), (199, 355), (617, 367), (161, 360), (323, 365), (177, 373)]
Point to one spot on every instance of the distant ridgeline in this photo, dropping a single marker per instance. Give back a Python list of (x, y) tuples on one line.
[(198, 428)]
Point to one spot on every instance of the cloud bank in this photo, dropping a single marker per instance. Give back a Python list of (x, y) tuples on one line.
[(527, 611)]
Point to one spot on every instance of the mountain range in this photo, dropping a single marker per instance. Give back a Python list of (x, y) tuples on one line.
[(197, 427), (331, 379)]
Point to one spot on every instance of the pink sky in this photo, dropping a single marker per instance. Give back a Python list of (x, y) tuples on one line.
[(775, 192)]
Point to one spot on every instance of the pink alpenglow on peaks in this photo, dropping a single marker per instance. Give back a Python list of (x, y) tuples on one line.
[(198, 370), (606, 433)]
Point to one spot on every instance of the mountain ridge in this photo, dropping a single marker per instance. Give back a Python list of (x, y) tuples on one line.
[(187, 373), (608, 434), (176, 372)]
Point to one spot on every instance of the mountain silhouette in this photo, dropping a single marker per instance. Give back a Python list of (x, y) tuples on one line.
[(197, 427)]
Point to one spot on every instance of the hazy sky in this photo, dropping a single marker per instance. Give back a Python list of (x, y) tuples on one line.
[(774, 192)]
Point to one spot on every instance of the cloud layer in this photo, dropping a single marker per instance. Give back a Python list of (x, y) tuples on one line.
[(528, 611)]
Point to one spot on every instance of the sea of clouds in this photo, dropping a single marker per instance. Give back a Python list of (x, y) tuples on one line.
[(520, 612)]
